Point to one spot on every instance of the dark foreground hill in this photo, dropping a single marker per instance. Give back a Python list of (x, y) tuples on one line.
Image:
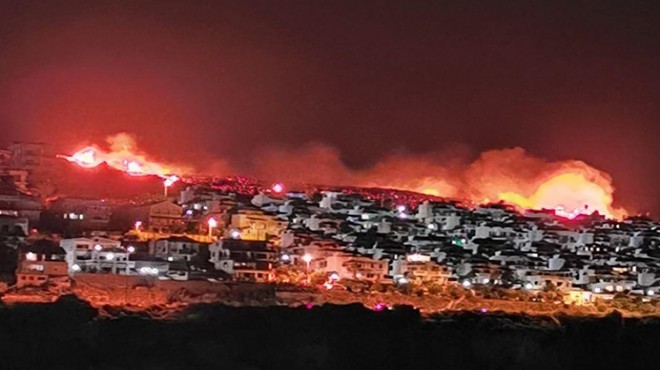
[(70, 335)]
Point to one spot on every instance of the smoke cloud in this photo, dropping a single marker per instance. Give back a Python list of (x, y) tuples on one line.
[(512, 175)]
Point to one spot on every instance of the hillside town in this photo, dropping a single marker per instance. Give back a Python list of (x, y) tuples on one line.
[(322, 240)]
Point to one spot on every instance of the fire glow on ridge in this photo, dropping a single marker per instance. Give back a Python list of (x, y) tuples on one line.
[(124, 157), (569, 188)]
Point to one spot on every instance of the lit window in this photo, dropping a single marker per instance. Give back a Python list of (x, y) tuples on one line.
[(36, 267)]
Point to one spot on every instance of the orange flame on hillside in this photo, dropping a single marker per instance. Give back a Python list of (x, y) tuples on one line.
[(509, 175), (570, 188), (570, 194), (124, 156)]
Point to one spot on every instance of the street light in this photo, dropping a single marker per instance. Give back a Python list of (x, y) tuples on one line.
[(137, 225), (212, 224), (169, 181), (307, 258), (277, 188)]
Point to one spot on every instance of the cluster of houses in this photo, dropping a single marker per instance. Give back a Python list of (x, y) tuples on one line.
[(268, 235), (217, 235)]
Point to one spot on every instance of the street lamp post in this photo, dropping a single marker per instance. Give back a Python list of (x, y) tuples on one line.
[(212, 224), (307, 258), (169, 181), (130, 249)]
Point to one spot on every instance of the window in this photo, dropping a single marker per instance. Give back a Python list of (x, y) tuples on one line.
[(36, 267)]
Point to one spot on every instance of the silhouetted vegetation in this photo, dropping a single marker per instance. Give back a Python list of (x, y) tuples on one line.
[(68, 334)]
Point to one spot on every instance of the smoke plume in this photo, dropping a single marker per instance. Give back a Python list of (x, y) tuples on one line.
[(511, 175)]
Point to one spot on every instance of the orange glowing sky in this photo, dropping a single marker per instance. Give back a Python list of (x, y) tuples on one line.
[(350, 86)]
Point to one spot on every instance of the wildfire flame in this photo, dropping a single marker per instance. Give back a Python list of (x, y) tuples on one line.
[(124, 157), (569, 195), (570, 188), (85, 157), (569, 192)]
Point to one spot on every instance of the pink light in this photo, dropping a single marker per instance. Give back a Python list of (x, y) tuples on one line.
[(379, 307), (277, 188)]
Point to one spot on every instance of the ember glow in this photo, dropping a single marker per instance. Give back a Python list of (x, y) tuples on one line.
[(123, 156), (569, 195)]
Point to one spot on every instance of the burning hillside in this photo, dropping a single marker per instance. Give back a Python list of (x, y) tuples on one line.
[(123, 155), (571, 188)]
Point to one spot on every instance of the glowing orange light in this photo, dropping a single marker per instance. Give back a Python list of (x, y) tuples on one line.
[(123, 156), (569, 194), (430, 191)]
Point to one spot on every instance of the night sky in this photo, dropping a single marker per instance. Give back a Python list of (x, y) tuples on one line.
[(209, 79)]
